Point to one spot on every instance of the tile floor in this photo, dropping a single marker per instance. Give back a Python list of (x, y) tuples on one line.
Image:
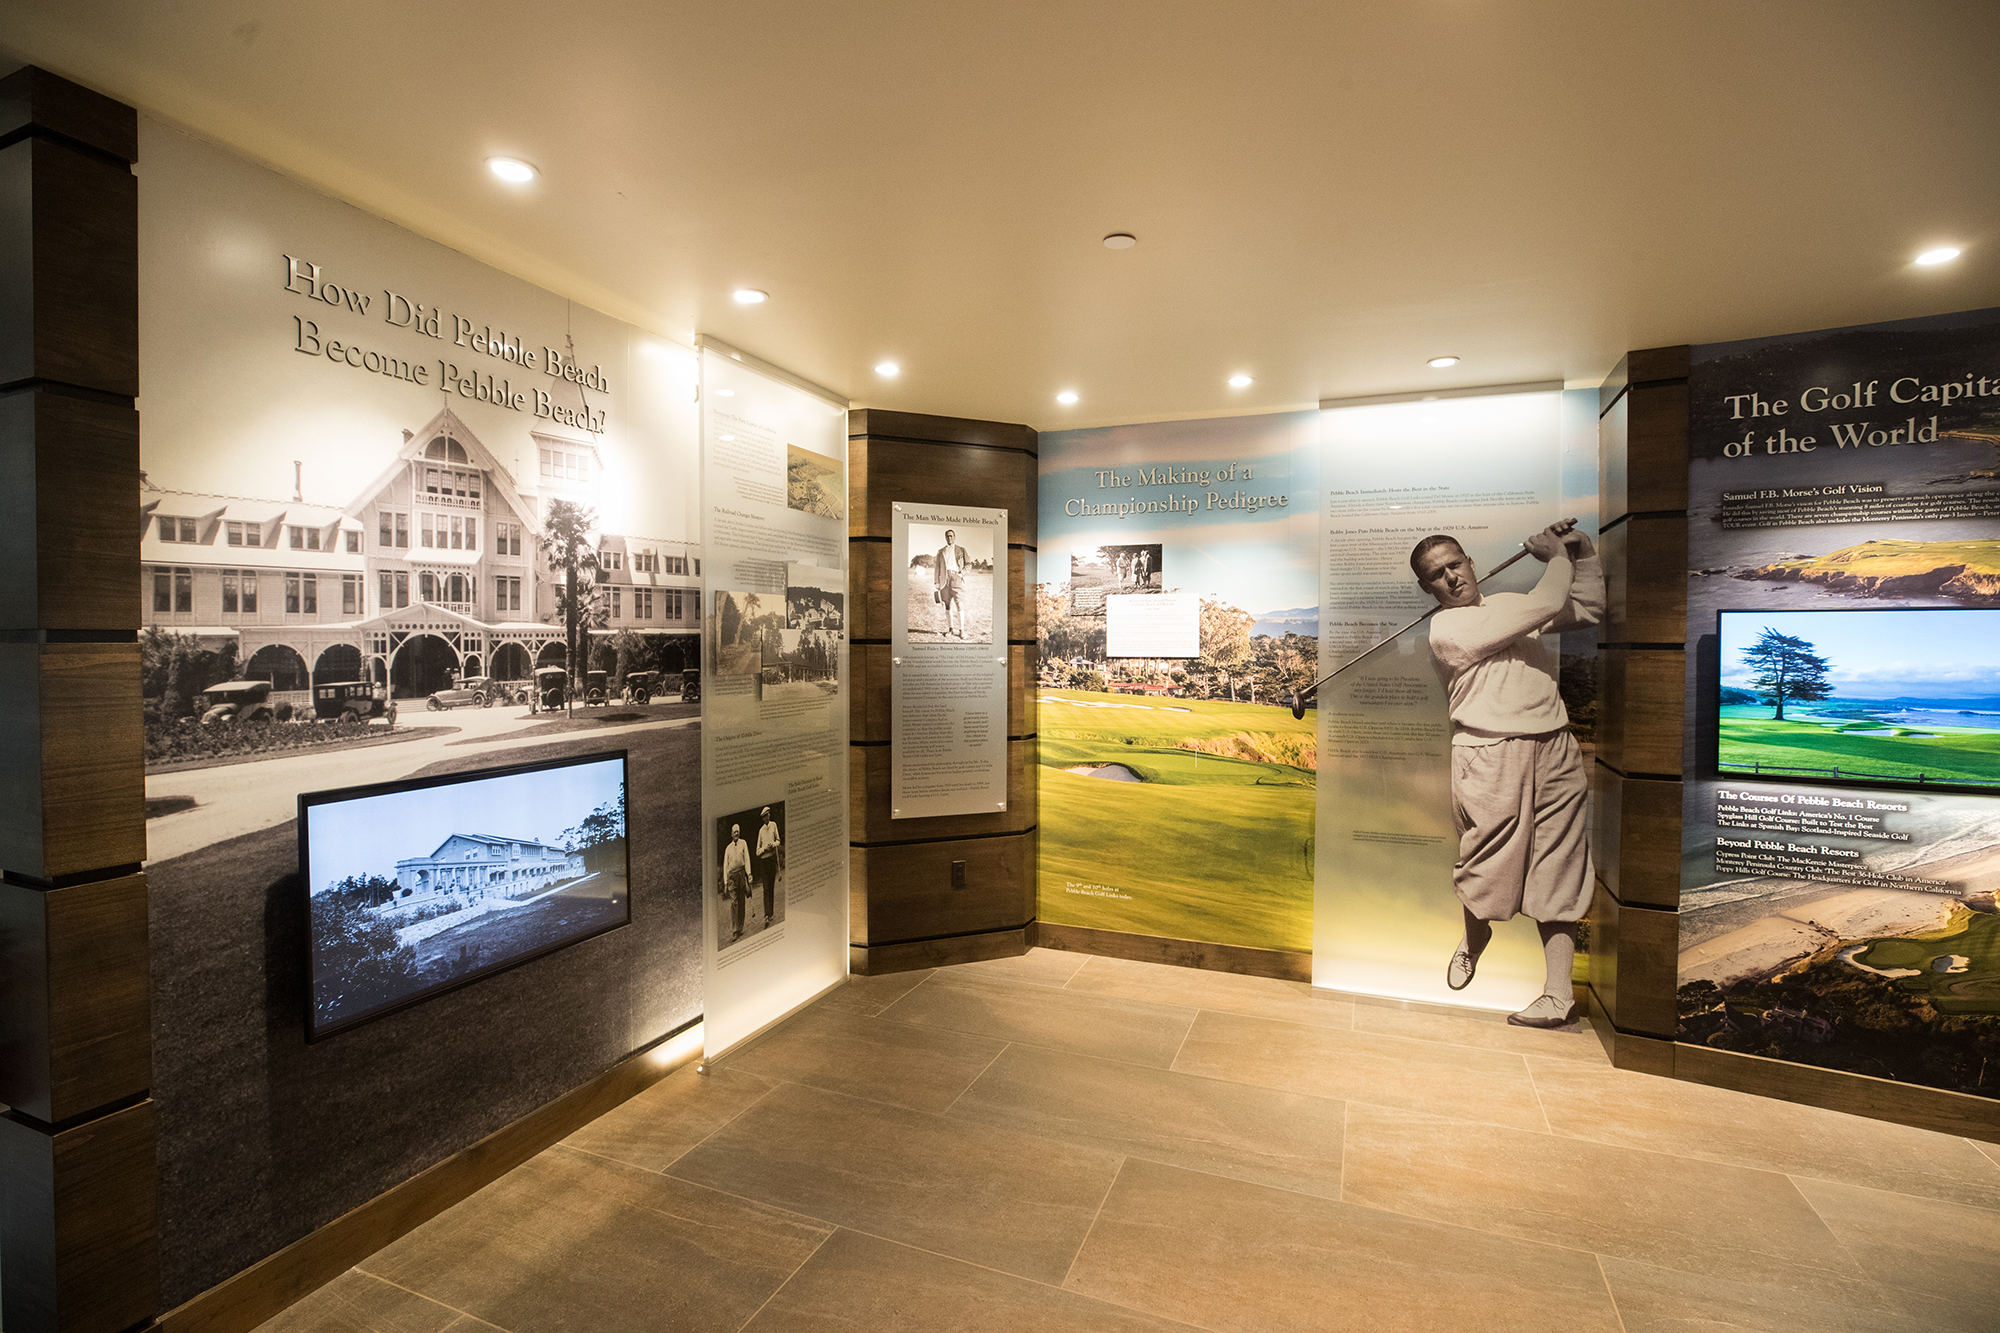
[(1057, 1142)]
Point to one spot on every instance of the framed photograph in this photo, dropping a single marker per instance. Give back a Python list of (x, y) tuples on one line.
[(420, 886), (1905, 697)]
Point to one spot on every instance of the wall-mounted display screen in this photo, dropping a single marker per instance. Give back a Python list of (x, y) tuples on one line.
[(419, 886), (1866, 698)]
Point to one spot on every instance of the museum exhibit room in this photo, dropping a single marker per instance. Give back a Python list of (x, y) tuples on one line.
[(1086, 668)]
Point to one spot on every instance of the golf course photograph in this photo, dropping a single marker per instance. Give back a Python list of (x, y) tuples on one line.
[(1212, 804), (1904, 697)]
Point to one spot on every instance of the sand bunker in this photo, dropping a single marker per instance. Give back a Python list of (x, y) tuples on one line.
[(1768, 946)]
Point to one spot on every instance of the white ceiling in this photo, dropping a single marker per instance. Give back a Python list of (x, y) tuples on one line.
[(1325, 194)]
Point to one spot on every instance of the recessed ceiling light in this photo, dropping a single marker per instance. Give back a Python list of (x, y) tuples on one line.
[(1120, 240), (1944, 254), (888, 370), (511, 169), (750, 296), (1440, 362), (1240, 381), (1066, 397)]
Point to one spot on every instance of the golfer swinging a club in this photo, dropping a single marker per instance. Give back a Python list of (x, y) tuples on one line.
[(1517, 778)]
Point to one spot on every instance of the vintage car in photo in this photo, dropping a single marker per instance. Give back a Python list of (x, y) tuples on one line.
[(237, 701), (468, 692)]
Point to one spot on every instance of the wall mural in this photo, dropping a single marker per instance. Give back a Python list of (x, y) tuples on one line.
[(1841, 841)]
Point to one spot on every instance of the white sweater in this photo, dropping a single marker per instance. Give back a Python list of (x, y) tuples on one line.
[(1499, 677)]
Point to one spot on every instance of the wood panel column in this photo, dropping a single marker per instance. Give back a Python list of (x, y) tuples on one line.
[(78, 1231), (1641, 663), (904, 911)]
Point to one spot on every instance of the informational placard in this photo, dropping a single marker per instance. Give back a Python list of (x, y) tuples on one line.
[(948, 658), (1487, 471), (1841, 795), (774, 693), (1161, 625)]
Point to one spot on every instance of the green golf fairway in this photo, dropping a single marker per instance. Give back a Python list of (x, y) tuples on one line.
[(1204, 847), (1976, 990), (1947, 754)]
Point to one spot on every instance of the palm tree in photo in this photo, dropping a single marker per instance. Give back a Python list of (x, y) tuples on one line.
[(565, 542)]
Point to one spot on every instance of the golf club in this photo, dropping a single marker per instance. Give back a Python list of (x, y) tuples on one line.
[(1299, 697)]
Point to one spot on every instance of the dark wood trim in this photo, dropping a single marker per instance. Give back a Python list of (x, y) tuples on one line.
[(1279, 963), (922, 428), (31, 97), (1837, 1090), (881, 959), (242, 1302)]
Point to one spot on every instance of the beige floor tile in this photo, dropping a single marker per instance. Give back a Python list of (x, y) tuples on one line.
[(989, 1196), (1265, 997), (871, 995), (1991, 1150), (1676, 1212), (1478, 1028), (355, 1302), (924, 1069), (1719, 1125), (859, 1284), (1947, 1251), (1258, 1134), (1039, 967), (1666, 1300), (1232, 1256), (670, 1117), (1451, 1080), (570, 1241), (1146, 1034)]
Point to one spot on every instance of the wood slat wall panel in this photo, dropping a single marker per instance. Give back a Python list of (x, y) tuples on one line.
[(868, 800), (1639, 709), (76, 705), (940, 474), (78, 1224), (1645, 577), (909, 894), (868, 610), (1656, 448), (1636, 837), (1612, 432), (33, 96), (884, 959), (71, 554), (1856, 1094), (82, 321), (83, 1039), (1603, 919), (872, 669), (940, 430), (1648, 960)]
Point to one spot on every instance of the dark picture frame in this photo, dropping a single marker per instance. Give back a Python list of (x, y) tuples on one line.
[(324, 1020)]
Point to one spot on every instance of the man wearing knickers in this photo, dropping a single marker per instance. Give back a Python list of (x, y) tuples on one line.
[(1517, 780)]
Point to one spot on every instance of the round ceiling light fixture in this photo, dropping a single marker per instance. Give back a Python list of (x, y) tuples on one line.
[(1944, 254), (1240, 381), (750, 296), (512, 169), (1066, 397), (1120, 240), (888, 370), (1441, 362)]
